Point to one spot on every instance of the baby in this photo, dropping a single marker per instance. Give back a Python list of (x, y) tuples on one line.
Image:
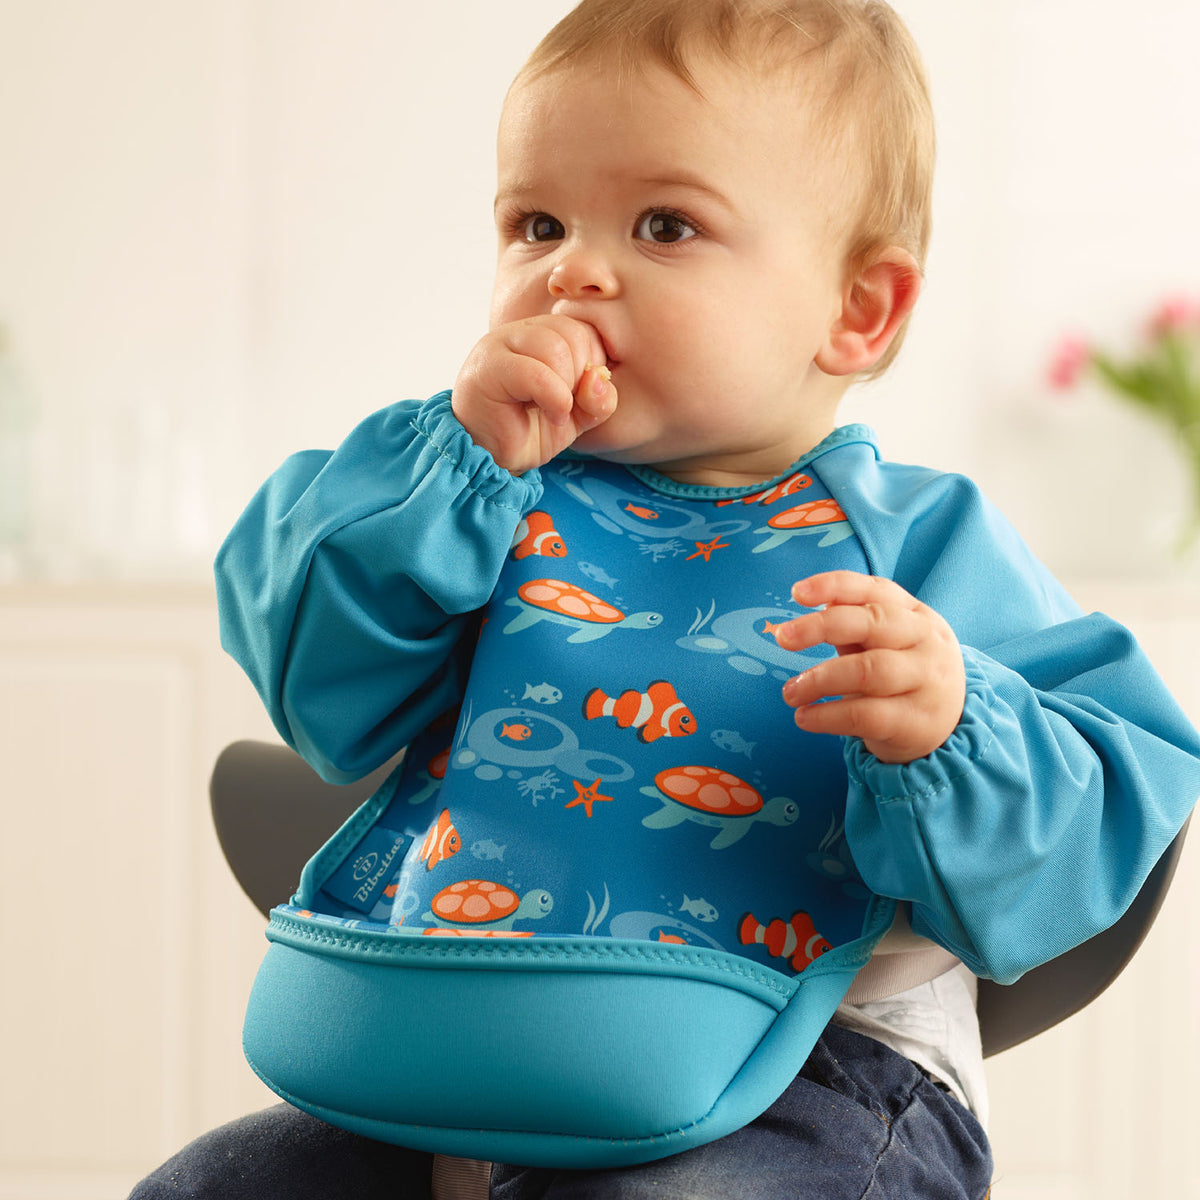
[(747, 750)]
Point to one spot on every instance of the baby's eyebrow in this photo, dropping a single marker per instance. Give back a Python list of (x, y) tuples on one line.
[(513, 191), (691, 182), (670, 179)]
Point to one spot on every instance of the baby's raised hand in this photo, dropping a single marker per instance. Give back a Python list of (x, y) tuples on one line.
[(530, 388), (898, 671)]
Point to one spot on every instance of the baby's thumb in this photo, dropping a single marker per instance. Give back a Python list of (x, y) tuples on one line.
[(595, 396)]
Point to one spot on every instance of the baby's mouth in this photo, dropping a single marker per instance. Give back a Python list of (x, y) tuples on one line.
[(610, 359)]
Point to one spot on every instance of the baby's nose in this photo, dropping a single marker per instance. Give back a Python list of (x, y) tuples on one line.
[(581, 274)]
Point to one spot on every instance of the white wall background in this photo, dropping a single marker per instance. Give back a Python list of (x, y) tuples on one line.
[(230, 229)]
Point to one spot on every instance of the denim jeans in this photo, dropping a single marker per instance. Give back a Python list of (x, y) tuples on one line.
[(858, 1123)]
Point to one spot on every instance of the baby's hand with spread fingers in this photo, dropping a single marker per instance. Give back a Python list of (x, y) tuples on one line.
[(897, 679), (530, 388)]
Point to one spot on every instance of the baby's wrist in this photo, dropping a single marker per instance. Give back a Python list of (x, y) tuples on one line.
[(477, 430)]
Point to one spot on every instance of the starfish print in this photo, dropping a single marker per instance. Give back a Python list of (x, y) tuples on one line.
[(706, 549), (587, 796)]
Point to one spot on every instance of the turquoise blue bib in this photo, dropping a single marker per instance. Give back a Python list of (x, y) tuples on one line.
[(602, 912)]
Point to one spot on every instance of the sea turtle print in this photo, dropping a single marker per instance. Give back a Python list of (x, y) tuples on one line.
[(431, 777), (716, 798), (817, 516), (568, 604), (479, 906)]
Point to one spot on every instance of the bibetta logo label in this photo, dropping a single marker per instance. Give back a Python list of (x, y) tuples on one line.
[(364, 866), (359, 882)]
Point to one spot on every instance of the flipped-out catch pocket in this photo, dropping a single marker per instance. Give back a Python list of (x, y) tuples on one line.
[(546, 1051)]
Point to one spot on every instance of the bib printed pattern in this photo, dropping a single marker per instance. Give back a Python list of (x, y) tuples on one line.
[(623, 764)]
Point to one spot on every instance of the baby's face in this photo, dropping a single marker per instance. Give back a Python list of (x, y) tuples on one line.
[(700, 236)]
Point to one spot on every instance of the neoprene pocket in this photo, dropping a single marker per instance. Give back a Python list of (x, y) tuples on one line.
[(575, 1052)]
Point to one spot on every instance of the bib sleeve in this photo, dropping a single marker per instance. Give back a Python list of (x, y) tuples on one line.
[(1034, 825), (348, 588)]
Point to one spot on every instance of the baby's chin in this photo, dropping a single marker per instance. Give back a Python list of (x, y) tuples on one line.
[(680, 454), (652, 458), (610, 446)]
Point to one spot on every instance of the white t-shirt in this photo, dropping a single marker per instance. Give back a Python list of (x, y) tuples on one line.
[(920, 1000)]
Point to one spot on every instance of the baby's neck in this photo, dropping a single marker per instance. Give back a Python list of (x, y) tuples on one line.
[(740, 471)]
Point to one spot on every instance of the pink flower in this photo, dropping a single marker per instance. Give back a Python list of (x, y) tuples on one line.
[(1172, 315), (1068, 362)]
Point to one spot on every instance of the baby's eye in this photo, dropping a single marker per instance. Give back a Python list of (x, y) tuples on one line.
[(542, 227), (664, 228)]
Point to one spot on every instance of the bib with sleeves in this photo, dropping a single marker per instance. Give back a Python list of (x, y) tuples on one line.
[(603, 911)]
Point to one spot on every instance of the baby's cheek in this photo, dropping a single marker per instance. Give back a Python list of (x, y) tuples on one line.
[(512, 302)]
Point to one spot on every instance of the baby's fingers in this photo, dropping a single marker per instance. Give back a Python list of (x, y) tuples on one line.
[(877, 721), (868, 625), (595, 397), (530, 381), (850, 587), (880, 673)]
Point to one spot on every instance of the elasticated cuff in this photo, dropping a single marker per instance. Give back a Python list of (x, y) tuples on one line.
[(955, 758), (436, 422)]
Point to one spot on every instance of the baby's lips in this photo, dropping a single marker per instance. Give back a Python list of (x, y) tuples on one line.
[(602, 348)]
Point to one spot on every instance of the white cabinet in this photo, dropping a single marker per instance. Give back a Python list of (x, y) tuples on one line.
[(126, 948)]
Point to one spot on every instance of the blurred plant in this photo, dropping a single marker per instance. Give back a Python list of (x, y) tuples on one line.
[(1162, 378)]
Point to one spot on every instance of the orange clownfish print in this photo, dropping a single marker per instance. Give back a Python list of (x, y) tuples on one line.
[(796, 939), (656, 712), (440, 842), (787, 487), (536, 535)]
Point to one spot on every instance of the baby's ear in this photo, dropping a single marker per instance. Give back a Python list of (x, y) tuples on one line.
[(877, 298)]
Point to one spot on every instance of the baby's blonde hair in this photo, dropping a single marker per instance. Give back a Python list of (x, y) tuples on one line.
[(869, 93)]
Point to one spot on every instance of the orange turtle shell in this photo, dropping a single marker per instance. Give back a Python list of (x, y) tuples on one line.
[(815, 512), (497, 933), (555, 596), (475, 900), (709, 790)]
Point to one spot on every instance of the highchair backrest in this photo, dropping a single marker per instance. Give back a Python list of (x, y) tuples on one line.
[(272, 812)]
